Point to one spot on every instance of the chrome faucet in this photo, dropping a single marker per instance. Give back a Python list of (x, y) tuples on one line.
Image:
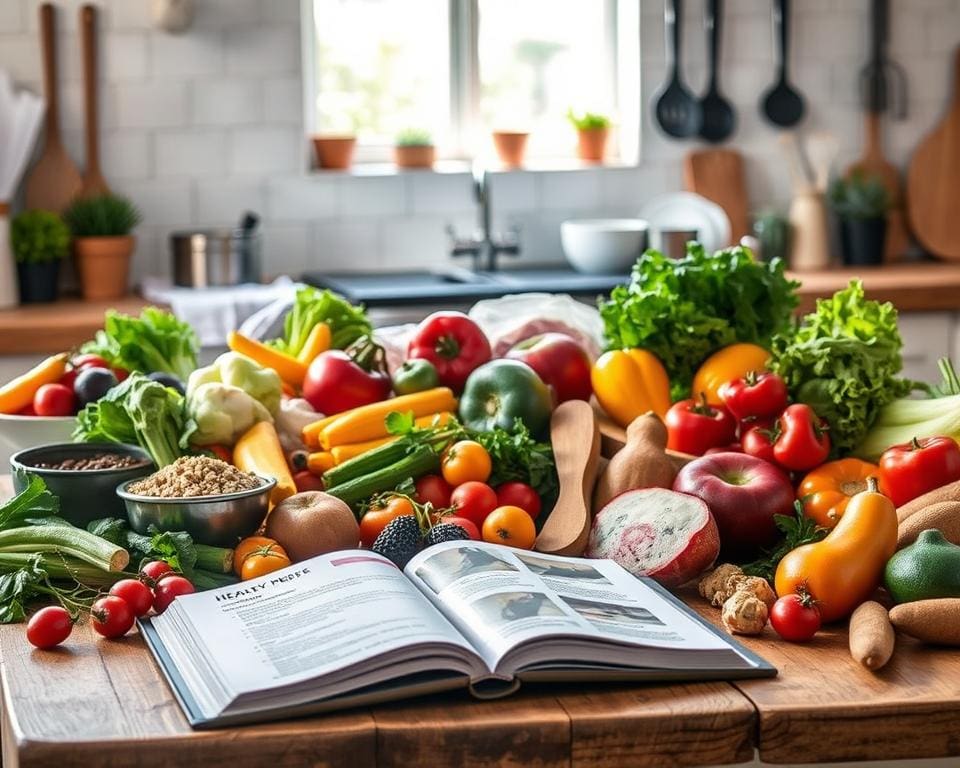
[(484, 246)]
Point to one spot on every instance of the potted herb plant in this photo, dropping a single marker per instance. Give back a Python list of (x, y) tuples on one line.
[(511, 147), (861, 205), (414, 149), (592, 132), (40, 240), (102, 243)]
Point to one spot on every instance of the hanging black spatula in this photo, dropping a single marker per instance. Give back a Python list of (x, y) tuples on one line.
[(677, 110), (718, 116), (782, 105)]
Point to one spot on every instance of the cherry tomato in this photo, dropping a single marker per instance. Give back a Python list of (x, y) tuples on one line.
[(54, 400), (758, 442), (510, 525), (27, 410), (69, 377), (153, 571), (433, 489), (221, 452), (262, 561), (168, 589), (468, 525), (465, 461), (305, 480), (252, 545), (49, 626), (517, 494), (122, 374), (376, 519), (88, 361), (796, 618), (474, 501), (111, 616), (136, 593)]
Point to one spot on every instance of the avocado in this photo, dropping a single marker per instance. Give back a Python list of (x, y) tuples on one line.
[(927, 569)]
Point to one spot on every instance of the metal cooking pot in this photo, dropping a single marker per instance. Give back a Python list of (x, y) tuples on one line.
[(217, 257)]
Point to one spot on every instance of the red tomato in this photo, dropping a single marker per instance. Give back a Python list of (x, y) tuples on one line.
[(517, 494), (758, 441), (69, 377), (153, 571), (54, 400), (758, 394), (49, 627), (121, 374), (136, 593), (169, 588), (803, 442), (375, 520), (693, 427), (338, 380), (305, 480), (433, 489), (111, 616), (474, 501), (27, 410), (453, 343), (221, 452), (468, 525), (796, 618), (911, 469), (88, 361)]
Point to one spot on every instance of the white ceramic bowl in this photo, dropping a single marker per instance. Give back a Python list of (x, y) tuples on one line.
[(20, 432), (603, 246)]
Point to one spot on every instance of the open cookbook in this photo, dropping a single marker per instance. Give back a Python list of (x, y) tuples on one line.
[(351, 629)]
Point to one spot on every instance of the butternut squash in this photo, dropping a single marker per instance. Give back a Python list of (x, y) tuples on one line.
[(844, 569), (641, 463), (258, 450)]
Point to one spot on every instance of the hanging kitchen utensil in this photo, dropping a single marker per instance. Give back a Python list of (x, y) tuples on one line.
[(782, 105), (880, 80), (93, 182), (933, 182), (55, 180), (810, 241), (677, 110), (717, 174), (717, 116)]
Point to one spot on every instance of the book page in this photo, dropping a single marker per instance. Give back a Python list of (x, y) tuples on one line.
[(310, 620), (501, 598)]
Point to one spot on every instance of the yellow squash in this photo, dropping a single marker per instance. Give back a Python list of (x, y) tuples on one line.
[(18, 393), (291, 370), (258, 450), (629, 383), (367, 421), (317, 341), (725, 365)]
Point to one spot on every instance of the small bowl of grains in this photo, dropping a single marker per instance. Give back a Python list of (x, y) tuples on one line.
[(213, 501), (84, 476)]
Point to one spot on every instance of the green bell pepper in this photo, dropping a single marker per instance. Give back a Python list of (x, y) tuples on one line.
[(502, 391)]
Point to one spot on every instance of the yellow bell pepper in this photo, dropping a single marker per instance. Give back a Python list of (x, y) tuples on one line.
[(725, 365), (630, 382)]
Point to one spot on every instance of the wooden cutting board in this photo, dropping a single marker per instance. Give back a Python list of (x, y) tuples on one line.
[(873, 164), (933, 182), (55, 180), (717, 174)]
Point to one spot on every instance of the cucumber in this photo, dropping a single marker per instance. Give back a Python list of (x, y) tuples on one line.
[(365, 463), (420, 461)]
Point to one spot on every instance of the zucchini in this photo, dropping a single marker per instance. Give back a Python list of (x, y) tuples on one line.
[(60, 567), (420, 461), (366, 463), (65, 540), (215, 559), (204, 580)]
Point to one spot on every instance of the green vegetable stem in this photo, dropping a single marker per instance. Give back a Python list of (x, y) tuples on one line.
[(311, 306)]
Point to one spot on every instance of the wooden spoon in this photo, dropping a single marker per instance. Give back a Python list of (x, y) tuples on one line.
[(575, 436), (93, 182), (55, 180)]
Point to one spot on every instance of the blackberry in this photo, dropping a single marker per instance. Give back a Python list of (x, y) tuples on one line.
[(399, 541), (445, 532)]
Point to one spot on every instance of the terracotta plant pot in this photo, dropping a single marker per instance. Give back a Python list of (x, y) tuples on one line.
[(511, 147), (334, 152), (104, 265), (592, 144), (417, 156)]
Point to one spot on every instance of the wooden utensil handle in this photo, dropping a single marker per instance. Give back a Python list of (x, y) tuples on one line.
[(88, 21), (48, 38)]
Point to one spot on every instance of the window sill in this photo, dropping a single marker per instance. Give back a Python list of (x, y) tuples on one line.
[(451, 167)]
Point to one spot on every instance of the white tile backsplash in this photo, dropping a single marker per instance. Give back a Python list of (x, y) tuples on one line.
[(200, 126)]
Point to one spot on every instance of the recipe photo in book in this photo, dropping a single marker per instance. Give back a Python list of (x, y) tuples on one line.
[(350, 628)]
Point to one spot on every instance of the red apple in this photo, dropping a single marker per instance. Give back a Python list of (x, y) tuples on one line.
[(560, 362), (743, 493)]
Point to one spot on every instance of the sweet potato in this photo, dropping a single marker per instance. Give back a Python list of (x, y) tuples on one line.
[(641, 463), (945, 517), (933, 621), (871, 635), (948, 492)]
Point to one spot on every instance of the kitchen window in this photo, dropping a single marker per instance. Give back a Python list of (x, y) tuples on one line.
[(460, 69)]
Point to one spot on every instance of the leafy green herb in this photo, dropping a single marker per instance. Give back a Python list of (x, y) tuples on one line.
[(25, 578), (155, 341), (33, 502), (414, 137), (101, 216), (858, 197), (38, 237), (797, 531), (684, 310), (311, 306), (176, 548), (517, 456), (843, 360), (17, 589), (588, 121)]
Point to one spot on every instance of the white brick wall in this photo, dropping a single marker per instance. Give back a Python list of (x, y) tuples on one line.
[(197, 128)]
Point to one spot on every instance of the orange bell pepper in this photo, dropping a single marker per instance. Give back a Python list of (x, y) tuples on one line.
[(826, 491), (629, 383), (724, 365)]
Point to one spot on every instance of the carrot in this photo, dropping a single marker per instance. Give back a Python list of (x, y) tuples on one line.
[(871, 635), (342, 453), (291, 370), (948, 492), (319, 462), (944, 516), (318, 341), (258, 450), (367, 422), (933, 621), (18, 393), (311, 432)]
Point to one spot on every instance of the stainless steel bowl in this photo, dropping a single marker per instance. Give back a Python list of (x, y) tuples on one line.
[(218, 520)]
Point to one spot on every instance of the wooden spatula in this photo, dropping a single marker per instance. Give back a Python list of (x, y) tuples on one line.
[(576, 449), (717, 174), (54, 181), (933, 182), (874, 165), (93, 182)]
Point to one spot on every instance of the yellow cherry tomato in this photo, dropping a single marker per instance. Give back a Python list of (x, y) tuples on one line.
[(466, 461), (511, 526)]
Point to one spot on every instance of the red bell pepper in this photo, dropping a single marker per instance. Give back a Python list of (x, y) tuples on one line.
[(802, 442), (695, 427), (454, 344), (911, 469), (338, 380), (756, 395)]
